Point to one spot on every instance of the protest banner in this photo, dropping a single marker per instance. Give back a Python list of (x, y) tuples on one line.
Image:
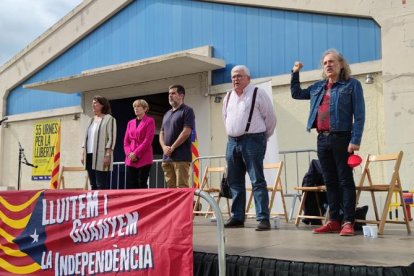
[(122, 232)]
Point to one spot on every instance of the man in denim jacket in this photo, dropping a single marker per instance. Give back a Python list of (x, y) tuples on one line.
[(337, 111)]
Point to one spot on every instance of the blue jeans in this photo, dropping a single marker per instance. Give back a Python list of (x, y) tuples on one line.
[(338, 177), (246, 153)]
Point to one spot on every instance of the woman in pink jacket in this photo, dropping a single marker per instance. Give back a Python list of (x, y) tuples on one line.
[(138, 146)]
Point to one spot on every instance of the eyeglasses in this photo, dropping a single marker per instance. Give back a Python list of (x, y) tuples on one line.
[(238, 76)]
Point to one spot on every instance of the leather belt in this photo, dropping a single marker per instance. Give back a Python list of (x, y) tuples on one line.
[(324, 132), (241, 137), (338, 133)]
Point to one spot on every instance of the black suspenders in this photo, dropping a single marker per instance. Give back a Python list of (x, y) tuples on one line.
[(251, 108)]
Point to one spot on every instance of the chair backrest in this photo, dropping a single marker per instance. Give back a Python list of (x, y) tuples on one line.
[(388, 188), (277, 179), (66, 169), (370, 159), (206, 182)]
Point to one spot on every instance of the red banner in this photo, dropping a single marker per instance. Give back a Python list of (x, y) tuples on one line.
[(134, 232)]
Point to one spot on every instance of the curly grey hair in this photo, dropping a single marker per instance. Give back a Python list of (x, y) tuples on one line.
[(345, 73)]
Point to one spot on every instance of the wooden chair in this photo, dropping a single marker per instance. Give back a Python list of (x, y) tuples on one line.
[(214, 190), (305, 192), (276, 187), (393, 186), (66, 169)]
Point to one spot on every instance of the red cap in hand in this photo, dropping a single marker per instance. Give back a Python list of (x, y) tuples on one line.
[(354, 160)]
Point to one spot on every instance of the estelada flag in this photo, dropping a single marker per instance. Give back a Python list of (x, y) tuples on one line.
[(62, 232), (195, 155), (54, 177)]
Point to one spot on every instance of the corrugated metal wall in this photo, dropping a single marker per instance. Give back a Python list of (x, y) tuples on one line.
[(268, 41)]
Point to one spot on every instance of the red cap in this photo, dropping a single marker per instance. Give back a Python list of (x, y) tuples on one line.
[(354, 160)]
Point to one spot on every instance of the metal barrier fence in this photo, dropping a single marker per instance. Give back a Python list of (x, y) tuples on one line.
[(296, 165), (118, 176), (156, 178)]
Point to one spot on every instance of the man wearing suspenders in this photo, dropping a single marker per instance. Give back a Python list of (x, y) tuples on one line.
[(250, 120)]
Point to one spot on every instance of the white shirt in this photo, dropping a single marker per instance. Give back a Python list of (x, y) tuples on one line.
[(236, 113), (92, 130)]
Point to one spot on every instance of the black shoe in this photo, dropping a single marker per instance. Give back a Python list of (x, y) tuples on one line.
[(306, 221), (316, 222), (233, 223), (264, 225)]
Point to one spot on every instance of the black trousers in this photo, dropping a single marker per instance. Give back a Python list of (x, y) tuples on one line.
[(99, 180), (137, 178), (338, 176)]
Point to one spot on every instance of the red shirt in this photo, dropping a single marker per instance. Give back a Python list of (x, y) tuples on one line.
[(322, 119)]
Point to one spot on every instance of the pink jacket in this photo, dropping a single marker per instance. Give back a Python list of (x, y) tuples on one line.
[(139, 140)]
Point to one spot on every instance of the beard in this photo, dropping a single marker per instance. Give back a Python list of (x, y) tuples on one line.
[(173, 103)]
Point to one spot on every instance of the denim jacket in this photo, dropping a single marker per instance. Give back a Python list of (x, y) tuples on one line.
[(346, 108)]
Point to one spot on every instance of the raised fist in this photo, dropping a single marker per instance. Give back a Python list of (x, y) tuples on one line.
[(297, 66)]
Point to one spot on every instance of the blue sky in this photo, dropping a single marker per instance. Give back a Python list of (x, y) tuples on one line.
[(22, 21)]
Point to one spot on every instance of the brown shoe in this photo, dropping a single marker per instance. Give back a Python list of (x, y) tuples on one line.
[(347, 229), (332, 226)]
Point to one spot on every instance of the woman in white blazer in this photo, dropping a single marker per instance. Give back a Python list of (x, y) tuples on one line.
[(99, 144)]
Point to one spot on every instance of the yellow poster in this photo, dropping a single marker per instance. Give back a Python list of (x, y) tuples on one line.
[(45, 134)]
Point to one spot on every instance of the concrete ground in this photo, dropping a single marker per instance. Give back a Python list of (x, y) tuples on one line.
[(394, 248)]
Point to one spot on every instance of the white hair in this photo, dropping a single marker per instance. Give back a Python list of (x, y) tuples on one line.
[(241, 67)]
